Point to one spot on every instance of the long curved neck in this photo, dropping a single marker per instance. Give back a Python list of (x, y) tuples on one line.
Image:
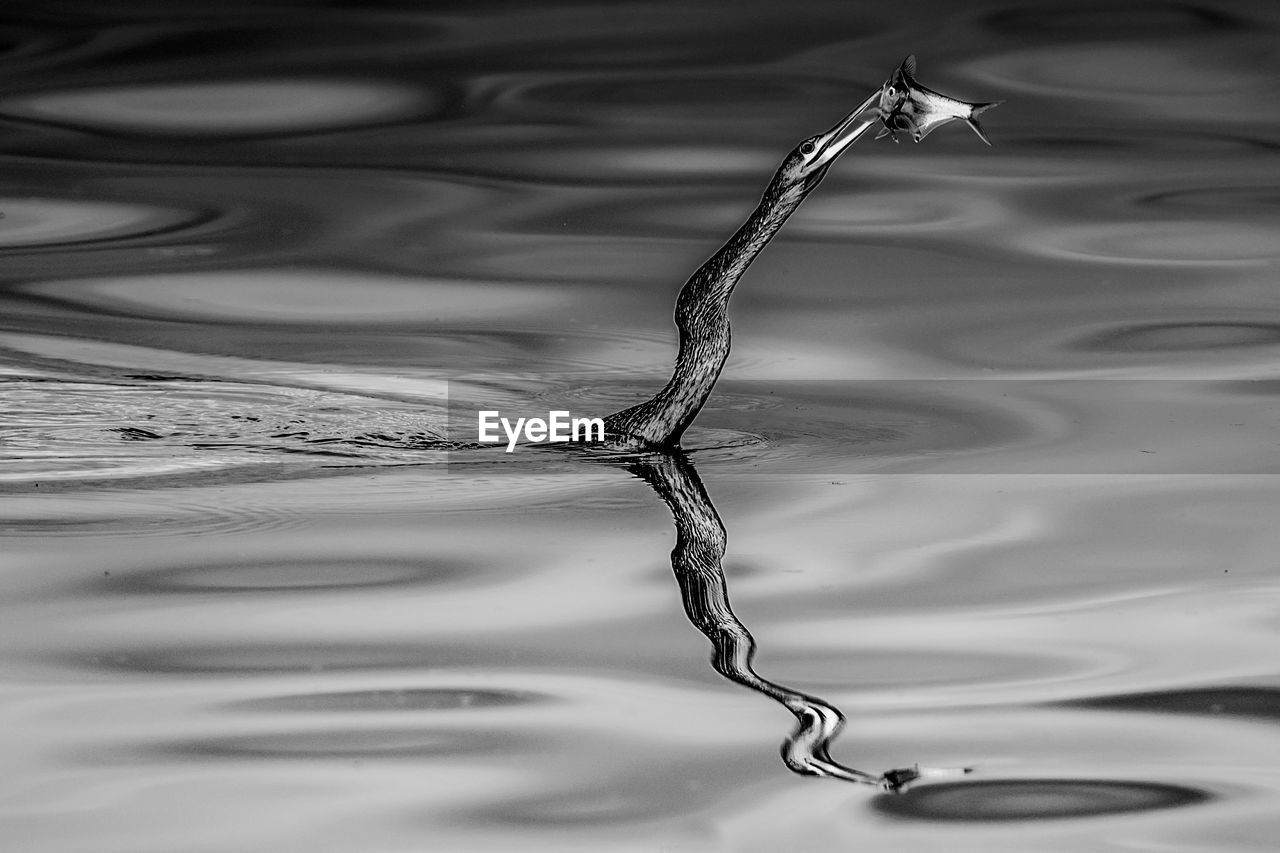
[(702, 318)]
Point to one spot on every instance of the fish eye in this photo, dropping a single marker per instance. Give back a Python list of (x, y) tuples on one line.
[(806, 147), (891, 91)]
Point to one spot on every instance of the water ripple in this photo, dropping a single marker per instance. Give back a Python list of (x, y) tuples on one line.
[(1261, 703), (1219, 85), (182, 512), (637, 97), (228, 108), (304, 296), (1096, 21), (1182, 337), (288, 576), (1257, 198), (44, 222), (266, 658), (76, 431), (409, 699), (1157, 242), (405, 744), (1002, 800)]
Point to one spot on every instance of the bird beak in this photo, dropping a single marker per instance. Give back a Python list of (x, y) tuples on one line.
[(833, 143)]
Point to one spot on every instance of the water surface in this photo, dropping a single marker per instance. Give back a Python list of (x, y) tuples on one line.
[(995, 450)]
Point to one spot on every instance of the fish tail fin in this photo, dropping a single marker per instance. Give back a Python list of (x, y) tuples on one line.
[(972, 120)]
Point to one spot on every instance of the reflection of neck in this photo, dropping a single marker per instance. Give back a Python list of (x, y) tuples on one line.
[(696, 560), (702, 317)]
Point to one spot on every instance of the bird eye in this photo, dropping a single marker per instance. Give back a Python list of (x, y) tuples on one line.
[(891, 91), (806, 147)]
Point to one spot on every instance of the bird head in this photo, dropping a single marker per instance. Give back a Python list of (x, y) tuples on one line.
[(808, 162)]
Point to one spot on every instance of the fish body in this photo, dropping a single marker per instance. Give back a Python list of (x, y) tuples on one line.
[(908, 107)]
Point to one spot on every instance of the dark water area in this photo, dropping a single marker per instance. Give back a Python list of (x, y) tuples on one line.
[(990, 474)]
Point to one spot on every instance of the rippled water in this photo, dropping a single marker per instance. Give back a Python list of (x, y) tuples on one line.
[(995, 451)]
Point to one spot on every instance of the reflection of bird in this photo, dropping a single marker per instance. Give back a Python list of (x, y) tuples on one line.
[(702, 307), (697, 563)]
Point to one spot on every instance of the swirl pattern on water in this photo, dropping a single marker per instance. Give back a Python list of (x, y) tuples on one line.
[(37, 222), (298, 296), (244, 249), (1249, 702), (286, 576), (419, 699), (1093, 20), (1036, 799), (1179, 337), (240, 108)]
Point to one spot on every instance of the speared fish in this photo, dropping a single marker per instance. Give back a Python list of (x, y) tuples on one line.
[(907, 106)]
